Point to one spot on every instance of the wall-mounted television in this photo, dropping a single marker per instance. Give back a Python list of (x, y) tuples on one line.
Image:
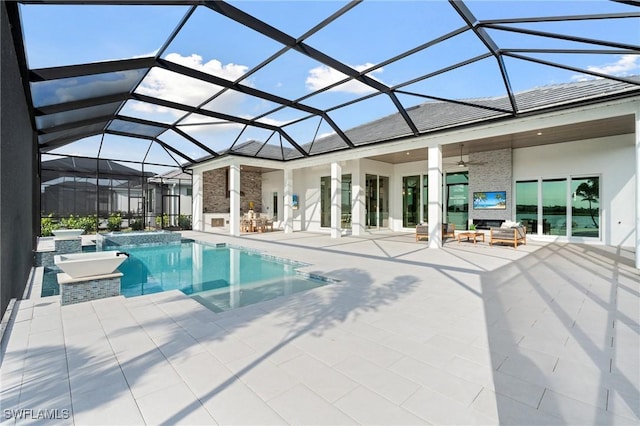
[(490, 200)]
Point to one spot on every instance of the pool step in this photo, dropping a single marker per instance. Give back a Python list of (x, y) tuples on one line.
[(218, 300)]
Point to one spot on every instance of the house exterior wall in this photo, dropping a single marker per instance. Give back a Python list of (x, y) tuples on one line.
[(612, 158)]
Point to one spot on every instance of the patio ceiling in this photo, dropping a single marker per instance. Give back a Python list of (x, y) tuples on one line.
[(288, 80)]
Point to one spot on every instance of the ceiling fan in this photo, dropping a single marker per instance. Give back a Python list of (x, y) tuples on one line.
[(462, 163)]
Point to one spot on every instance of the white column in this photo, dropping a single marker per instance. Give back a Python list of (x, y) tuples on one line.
[(234, 278), (357, 200), (197, 202), (197, 270), (638, 188), (336, 199), (435, 197), (288, 201), (234, 201)]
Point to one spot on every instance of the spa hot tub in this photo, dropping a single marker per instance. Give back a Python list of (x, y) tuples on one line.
[(79, 265)]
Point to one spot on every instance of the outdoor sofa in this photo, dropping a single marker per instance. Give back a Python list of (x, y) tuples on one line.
[(422, 230), (509, 232)]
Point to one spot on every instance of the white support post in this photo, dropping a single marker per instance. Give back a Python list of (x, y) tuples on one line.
[(357, 200), (336, 200), (435, 196), (197, 202), (234, 199), (638, 188), (234, 278), (288, 201)]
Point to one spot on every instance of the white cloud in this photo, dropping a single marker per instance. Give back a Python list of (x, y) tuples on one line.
[(626, 65), (323, 76), (325, 135), (273, 121), (213, 67), (164, 84)]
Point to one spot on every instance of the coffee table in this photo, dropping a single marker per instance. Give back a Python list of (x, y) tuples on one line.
[(471, 235)]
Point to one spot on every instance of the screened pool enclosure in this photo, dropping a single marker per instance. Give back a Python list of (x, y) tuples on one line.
[(98, 194), (179, 83)]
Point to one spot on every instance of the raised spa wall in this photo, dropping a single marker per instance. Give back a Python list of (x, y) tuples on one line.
[(44, 257), (116, 239), (88, 288)]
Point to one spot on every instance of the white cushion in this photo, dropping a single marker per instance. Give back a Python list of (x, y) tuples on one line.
[(509, 224)]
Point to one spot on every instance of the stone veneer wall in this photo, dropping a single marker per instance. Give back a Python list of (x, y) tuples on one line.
[(215, 197), (493, 174)]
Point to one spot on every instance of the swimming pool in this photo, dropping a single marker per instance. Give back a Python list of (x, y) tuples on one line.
[(219, 277)]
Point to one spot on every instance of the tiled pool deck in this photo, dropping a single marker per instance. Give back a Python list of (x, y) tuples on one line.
[(545, 334)]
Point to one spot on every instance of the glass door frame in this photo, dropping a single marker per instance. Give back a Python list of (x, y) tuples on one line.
[(446, 191), (545, 229), (369, 198), (346, 189)]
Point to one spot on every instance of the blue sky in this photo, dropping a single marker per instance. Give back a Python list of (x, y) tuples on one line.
[(368, 34)]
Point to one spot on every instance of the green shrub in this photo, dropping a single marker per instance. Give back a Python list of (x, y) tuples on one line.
[(184, 221), (47, 225), (137, 224), (114, 223), (162, 221), (87, 223)]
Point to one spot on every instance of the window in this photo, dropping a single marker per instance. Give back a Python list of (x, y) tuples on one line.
[(410, 201), (377, 201), (527, 205), (554, 206), (275, 206), (325, 202), (458, 199), (585, 207), (561, 207), (425, 198)]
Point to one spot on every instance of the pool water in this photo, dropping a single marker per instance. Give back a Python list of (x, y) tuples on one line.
[(220, 278)]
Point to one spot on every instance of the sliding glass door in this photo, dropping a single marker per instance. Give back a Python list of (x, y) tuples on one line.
[(377, 201), (554, 206), (325, 202), (410, 201), (561, 207), (527, 205), (457, 199), (585, 207)]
